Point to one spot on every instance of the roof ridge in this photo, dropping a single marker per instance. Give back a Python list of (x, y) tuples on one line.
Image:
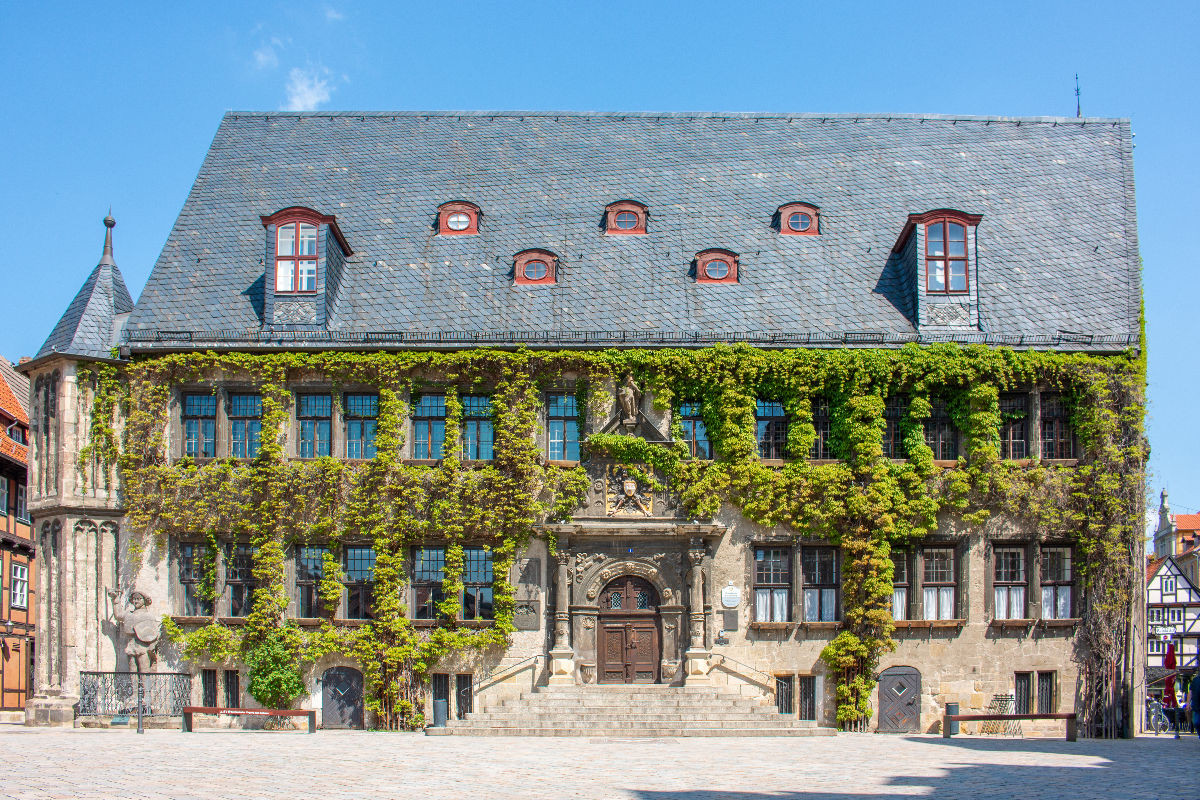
[(686, 115)]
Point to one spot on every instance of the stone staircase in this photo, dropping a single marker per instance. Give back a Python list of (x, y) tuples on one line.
[(631, 712)]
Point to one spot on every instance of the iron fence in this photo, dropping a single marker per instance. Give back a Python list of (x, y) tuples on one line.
[(104, 693)]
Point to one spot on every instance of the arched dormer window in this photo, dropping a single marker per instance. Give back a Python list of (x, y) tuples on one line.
[(294, 245), (625, 217), (945, 248), (716, 266), (799, 219), (458, 218), (535, 267)]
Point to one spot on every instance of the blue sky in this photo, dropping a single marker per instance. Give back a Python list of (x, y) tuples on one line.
[(115, 104)]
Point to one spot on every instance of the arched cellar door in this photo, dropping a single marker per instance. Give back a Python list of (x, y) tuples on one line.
[(630, 641)]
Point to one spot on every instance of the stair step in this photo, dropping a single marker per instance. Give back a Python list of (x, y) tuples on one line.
[(653, 716), (621, 733)]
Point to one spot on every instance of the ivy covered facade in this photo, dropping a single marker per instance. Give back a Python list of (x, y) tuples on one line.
[(412, 408)]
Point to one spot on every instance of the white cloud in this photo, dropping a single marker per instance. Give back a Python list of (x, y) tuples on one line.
[(266, 56), (333, 15), (307, 89)]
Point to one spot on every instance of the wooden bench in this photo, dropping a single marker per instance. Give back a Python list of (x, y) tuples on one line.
[(948, 718), (188, 711)]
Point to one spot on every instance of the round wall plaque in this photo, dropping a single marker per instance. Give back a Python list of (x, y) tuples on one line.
[(731, 596)]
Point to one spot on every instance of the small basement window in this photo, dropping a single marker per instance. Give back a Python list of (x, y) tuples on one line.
[(535, 267), (799, 219), (458, 218), (625, 217), (716, 266)]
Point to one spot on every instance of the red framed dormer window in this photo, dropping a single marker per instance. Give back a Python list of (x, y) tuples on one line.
[(947, 234), (535, 267), (799, 219), (458, 218), (296, 243), (716, 266), (625, 217)]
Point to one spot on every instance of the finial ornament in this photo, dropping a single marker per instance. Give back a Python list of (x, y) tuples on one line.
[(109, 224)]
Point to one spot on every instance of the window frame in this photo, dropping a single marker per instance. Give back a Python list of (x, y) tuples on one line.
[(360, 590), (691, 423), (822, 421), (894, 411), (314, 441), (824, 590), (476, 588), (1056, 423), (428, 591), (569, 418), (239, 577), (189, 574), (522, 259), (771, 431), (949, 580), (427, 418), (639, 210), (451, 207), (706, 257), (1023, 695), (360, 444), (771, 573), (785, 213), (1058, 586), (245, 423), (941, 436), (16, 582), (901, 582), (308, 582), (1014, 430), (206, 434), (300, 214), (475, 421), (1009, 585)]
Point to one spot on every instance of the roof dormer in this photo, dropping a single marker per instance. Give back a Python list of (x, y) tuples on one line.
[(625, 217), (303, 268)]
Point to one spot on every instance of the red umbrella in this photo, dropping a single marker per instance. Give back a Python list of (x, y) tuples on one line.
[(1169, 684)]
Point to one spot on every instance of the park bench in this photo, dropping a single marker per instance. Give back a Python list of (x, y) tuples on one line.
[(948, 718), (188, 711)]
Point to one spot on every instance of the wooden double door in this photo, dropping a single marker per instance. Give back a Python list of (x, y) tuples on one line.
[(629, 645)]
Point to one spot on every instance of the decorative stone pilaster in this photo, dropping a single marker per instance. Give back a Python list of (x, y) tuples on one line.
[(562, 657), (696, 665)]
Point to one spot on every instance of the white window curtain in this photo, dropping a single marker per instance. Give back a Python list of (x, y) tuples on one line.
[(779, 605), (1010, 602), (1056, 602), (828, 605), (900, 603), (811, 605), (938, 602), (771, 605)]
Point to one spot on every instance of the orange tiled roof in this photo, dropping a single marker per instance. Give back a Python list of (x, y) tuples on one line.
[(8, 400), (1153, 566), (13, 450), (1187, 522)]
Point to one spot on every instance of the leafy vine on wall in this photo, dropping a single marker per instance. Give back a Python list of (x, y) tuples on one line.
[(865, 503)]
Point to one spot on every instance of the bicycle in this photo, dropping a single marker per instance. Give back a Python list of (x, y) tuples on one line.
[(1156, 717)]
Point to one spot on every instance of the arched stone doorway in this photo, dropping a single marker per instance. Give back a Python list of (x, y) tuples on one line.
[(629, 645), (342, 698)]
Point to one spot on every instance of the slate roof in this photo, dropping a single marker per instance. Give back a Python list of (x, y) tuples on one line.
[(91, 324), (1056, 264)]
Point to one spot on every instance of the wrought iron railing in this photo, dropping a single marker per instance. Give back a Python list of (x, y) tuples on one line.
[(104, 693)]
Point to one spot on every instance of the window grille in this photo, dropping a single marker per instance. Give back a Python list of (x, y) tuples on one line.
[(900, 585), (233, 689), (1047, 697), (784, 693), (477, 433), (1058, 440), (772, 429), (562, 427), (361, 415), (429, 426), (1056, 583), (245, 424), (807, 696), (310, 568), (940, 433), (1014, 421), (1009, 584), (694, 432), (200, 425), (1023, 694), (462, 691), (239, 578), (819, 570), (192, 558), (938, 583), (314, 413), (893, 413), (823, 426), (360, 582), (429, 564), (208, 687)]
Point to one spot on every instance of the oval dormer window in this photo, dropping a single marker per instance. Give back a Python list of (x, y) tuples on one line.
[(535, 267), (799, 219), (625, 217), (716, 266), (458, 218)]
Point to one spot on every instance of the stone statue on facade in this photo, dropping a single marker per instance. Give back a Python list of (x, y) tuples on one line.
[(629, 396), (142, 627)]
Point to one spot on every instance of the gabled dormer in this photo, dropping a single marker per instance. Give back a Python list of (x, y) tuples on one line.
[(305, 253), (938, 253)]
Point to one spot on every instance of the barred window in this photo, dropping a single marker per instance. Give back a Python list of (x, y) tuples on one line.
[(1047, 692), (192, 558), (310, 569), (694, 432), (1056, 583), (562, 427), (245, 424), (900, 584), (938, 587), (200, 425), (314, 413), (362, 412), (823, 426), (893, 413), (1058, 440), (429, 426), (820, 573), (233, 689), (1023, 693), (239, 578), (772, 584), (772, 429), (940, 433), (477, 583), (476, 428), (1014, 422), (429, 570), (360, 582), (1009, 583)]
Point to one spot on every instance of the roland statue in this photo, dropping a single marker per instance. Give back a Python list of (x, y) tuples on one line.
[(140, 625)]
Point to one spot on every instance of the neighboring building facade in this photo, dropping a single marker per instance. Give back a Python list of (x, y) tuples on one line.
[(1178, 535), (1172, 615), (413, 233), (18, 601)]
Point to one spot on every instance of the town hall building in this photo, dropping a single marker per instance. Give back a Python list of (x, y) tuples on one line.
[(505, 416)]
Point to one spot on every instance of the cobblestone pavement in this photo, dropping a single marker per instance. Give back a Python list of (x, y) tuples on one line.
[(48, 764)]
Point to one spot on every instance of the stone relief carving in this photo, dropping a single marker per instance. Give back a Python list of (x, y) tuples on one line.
[(948, 314), (589, 623), (584, 562), (142, 627)]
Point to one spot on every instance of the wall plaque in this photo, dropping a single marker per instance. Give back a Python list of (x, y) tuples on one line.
[(731, 596), (527, 615)]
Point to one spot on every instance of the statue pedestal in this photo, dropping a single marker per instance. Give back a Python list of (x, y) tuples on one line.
[(562, 667), (49, 710), (696, 668)]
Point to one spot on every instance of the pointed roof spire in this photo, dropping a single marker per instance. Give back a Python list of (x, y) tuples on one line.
[(109, 224), (91, 324)]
